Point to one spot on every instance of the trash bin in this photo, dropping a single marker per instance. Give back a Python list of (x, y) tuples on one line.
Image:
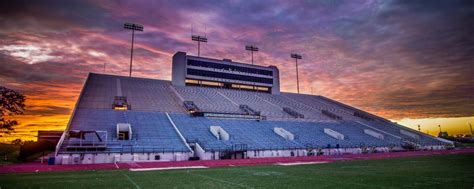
[(51, 161)]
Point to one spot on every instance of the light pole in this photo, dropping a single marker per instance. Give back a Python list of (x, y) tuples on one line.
[(470, 126), (419, 128), (252, 49), (199, 39), (439, 128), (296, 57), (133, 27)]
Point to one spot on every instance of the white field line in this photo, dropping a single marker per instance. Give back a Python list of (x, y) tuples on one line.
[(167, 168), (302, 163), (131, 181)]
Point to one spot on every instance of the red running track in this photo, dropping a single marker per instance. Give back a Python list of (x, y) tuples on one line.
[(38, 167)]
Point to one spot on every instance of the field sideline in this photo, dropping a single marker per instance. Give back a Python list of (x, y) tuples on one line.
[(440, 171)]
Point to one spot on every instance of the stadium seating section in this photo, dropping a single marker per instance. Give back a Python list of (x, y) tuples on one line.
[(151, 101)]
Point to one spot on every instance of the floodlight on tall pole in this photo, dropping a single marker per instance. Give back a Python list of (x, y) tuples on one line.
[(199, 39), (133, 27), (252, 49), (439, 128), (296, 57), (419, 129)]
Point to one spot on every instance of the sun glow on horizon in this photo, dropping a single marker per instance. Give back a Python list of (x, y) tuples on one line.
[(454, 126)]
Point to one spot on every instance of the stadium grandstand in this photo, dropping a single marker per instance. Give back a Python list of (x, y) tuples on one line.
[(219, 109)]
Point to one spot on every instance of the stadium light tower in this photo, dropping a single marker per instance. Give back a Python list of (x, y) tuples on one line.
[(133, 27), (439, 128), (199, 39), (296, 57), (252, 49)]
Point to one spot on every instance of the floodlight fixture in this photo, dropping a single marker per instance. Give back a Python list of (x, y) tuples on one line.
[(252, 49), (199, 39), (133, 27), (296, 56)]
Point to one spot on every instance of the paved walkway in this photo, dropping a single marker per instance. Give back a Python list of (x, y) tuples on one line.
[(38, 167)]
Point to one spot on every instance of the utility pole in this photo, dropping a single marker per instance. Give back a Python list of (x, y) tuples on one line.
[(439, 128), (133, 27)]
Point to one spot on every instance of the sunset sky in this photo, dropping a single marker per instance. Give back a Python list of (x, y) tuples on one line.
[(408, 61)]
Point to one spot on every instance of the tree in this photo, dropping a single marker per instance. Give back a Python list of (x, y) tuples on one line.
[(17, 142), (11, 103)]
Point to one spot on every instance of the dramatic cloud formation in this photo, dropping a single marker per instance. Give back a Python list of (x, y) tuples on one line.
[(397, 59)]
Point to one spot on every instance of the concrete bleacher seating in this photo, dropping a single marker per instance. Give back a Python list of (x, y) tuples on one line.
[(142, 94), (151, 130), (256, 135), (99, 92), (395, 130), (150, 95), (255, 102), (282, 101), (319, 103), (346, 113), (208, 99), (260, 135), (152, 100)]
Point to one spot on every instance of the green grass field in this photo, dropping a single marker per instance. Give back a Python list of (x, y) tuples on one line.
[(448, 171)]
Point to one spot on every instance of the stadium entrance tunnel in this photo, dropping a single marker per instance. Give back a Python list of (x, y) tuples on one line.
[(237, 151), (233, 155)]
